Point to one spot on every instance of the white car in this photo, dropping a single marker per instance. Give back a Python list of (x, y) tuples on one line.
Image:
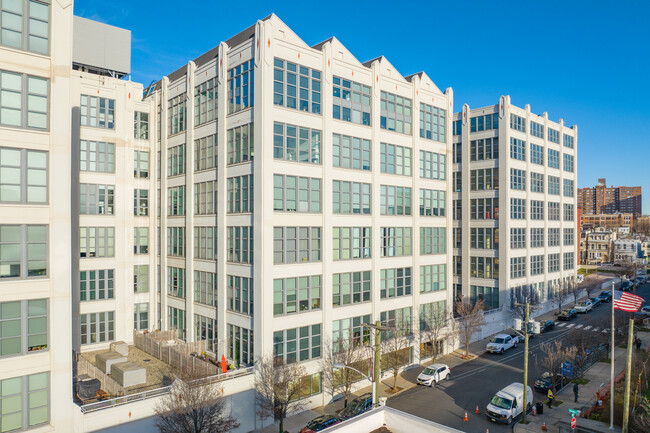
[(584, 306), (433, 374), (500, 343)]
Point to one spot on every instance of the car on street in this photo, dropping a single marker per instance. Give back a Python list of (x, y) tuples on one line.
[(546, 325), (508, 403), (567, 315), (645, 310), (433, 374), (500, 343), (639, 281), (583, 306), (626, 286), (356, 407), (547, 381), (320, 423), (595, 302), (605, 297)]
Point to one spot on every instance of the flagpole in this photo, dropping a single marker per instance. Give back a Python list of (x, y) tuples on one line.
[(611, 373)]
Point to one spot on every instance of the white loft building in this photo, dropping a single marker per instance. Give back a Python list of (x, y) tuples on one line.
[(514, 203)]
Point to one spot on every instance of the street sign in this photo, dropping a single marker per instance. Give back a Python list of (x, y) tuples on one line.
[(573, 423), (574, 412)]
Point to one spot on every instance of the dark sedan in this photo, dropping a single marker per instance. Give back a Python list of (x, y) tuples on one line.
[(548, 381), (605, 297), (567, 315), (356, 407), (546, 325), (320, 423), (595, 302)]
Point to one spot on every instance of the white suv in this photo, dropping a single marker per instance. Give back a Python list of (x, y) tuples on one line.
[(433, 374), (584, 306)]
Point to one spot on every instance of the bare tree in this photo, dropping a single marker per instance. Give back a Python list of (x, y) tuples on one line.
[(519, 297), (470, 319), (642, 225), (348, 353), (395, 350), (193, 406), (559, 295), (552, 355), (585, 345), (277, 388), (590, 284), (436, 327)]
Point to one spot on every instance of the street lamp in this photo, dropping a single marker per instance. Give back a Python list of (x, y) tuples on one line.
[(374, 384)]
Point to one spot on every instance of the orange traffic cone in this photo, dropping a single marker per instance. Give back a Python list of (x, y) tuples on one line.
[(544, 426), (477, 409), (487, 430), (465, 419)]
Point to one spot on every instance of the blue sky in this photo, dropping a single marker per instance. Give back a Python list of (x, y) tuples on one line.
[(587, 62)]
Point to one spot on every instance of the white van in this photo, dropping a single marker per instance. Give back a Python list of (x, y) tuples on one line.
[(508, 403)]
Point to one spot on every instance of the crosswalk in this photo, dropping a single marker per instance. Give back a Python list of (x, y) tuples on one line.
[(576, 326)]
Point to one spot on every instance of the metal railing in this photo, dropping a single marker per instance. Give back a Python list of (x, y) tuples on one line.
[(118, 401)]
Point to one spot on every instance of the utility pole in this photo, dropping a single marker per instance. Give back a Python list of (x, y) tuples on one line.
[(376, 328), (526, 334), (628, 377)]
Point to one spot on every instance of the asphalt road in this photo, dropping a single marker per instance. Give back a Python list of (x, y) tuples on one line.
[(475, 382)]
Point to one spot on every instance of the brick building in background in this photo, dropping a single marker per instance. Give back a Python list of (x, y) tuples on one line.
[(603, 200)]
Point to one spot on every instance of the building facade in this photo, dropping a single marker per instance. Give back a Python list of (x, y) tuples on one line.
[(613, 220), (514, 203), (615, 199), (597, 246)]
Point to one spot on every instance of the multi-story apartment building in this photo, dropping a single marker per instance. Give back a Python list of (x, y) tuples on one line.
[(289, 181), (514, 202), (597, 246), (603, 200), (613, 220)]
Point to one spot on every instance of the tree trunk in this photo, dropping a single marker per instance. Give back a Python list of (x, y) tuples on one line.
[(345, 402), (281, 425)]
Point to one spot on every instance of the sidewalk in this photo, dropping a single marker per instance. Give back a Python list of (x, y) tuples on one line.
[(598, 375)]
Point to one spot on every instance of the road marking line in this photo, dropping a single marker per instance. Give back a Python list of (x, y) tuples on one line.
[(561, 325), (578, 326), (594, 329), (571, 325), (587, 327)]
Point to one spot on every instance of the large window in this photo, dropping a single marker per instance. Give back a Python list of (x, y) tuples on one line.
[(240, 194), (554, 263), (433, 240), (240, 144), (432, 165), (553, 211), (141, 316), (23, 176), (568, 141), (141, 164), (483, 238), (141, 240), (176, 200), (296, 244), (176, 160), (395, 113), (484, 267), (554, 185), (240, 294), (97, 327), (297, 344), (241, 88), (351, 101), (517, 149), (568, 162), (517, 208), (25, 25), (536, 210), (240, 345), (240, 245), (351, 288), (350, 331), (536, 237), (205, 198), (432, 202), (396, 241), (295, 143), (97, 156), (568, 236), (296, 295), (518, 179), (296, 194), (97, 241), (483, 208), (205, 102), (96, 284), (24, 99), (25, 401), (350, 197), (489, 295), (395, 159), (140, 202), (205, 153), (433, 278), (553, 237), (176, 114), (433, 314), (536, 182), (568, 187), (433, 122), (205, 243), (536, 265), (536, 129), (350, 152), (205, 288), (517, 238), (97, 112), (485, 179), (296, 86), (395, 282), (176, 320), (482, 123), (553, 136), (351, 242), (517, 267), (553, 159), (176, 282), (399, 319), (536, 154), (140, 125), (176, 241), (518, 123), (23, 327), (568, 212), (140, 278), (483, 149), (395, 200), (205, 329), (568, 261)]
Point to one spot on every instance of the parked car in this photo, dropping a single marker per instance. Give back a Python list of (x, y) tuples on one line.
[(595, 302), (639, 281), (320, 423), (356, 407), (546, 325), (567, 314), (433, 374), (500, 343), (626, 286), (509, 402), (605, 297), (584, 306), (645, 310), (547, 381)]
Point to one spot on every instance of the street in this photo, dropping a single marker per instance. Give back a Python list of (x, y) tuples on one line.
[(475, 382)]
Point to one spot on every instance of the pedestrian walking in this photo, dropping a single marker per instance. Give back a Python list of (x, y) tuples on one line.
[(638, 344), (551, 397), (575, 392)]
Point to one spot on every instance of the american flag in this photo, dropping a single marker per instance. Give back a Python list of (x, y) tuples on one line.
[(627, 301)]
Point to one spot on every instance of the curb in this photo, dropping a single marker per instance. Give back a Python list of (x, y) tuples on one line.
[(403, 390)]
